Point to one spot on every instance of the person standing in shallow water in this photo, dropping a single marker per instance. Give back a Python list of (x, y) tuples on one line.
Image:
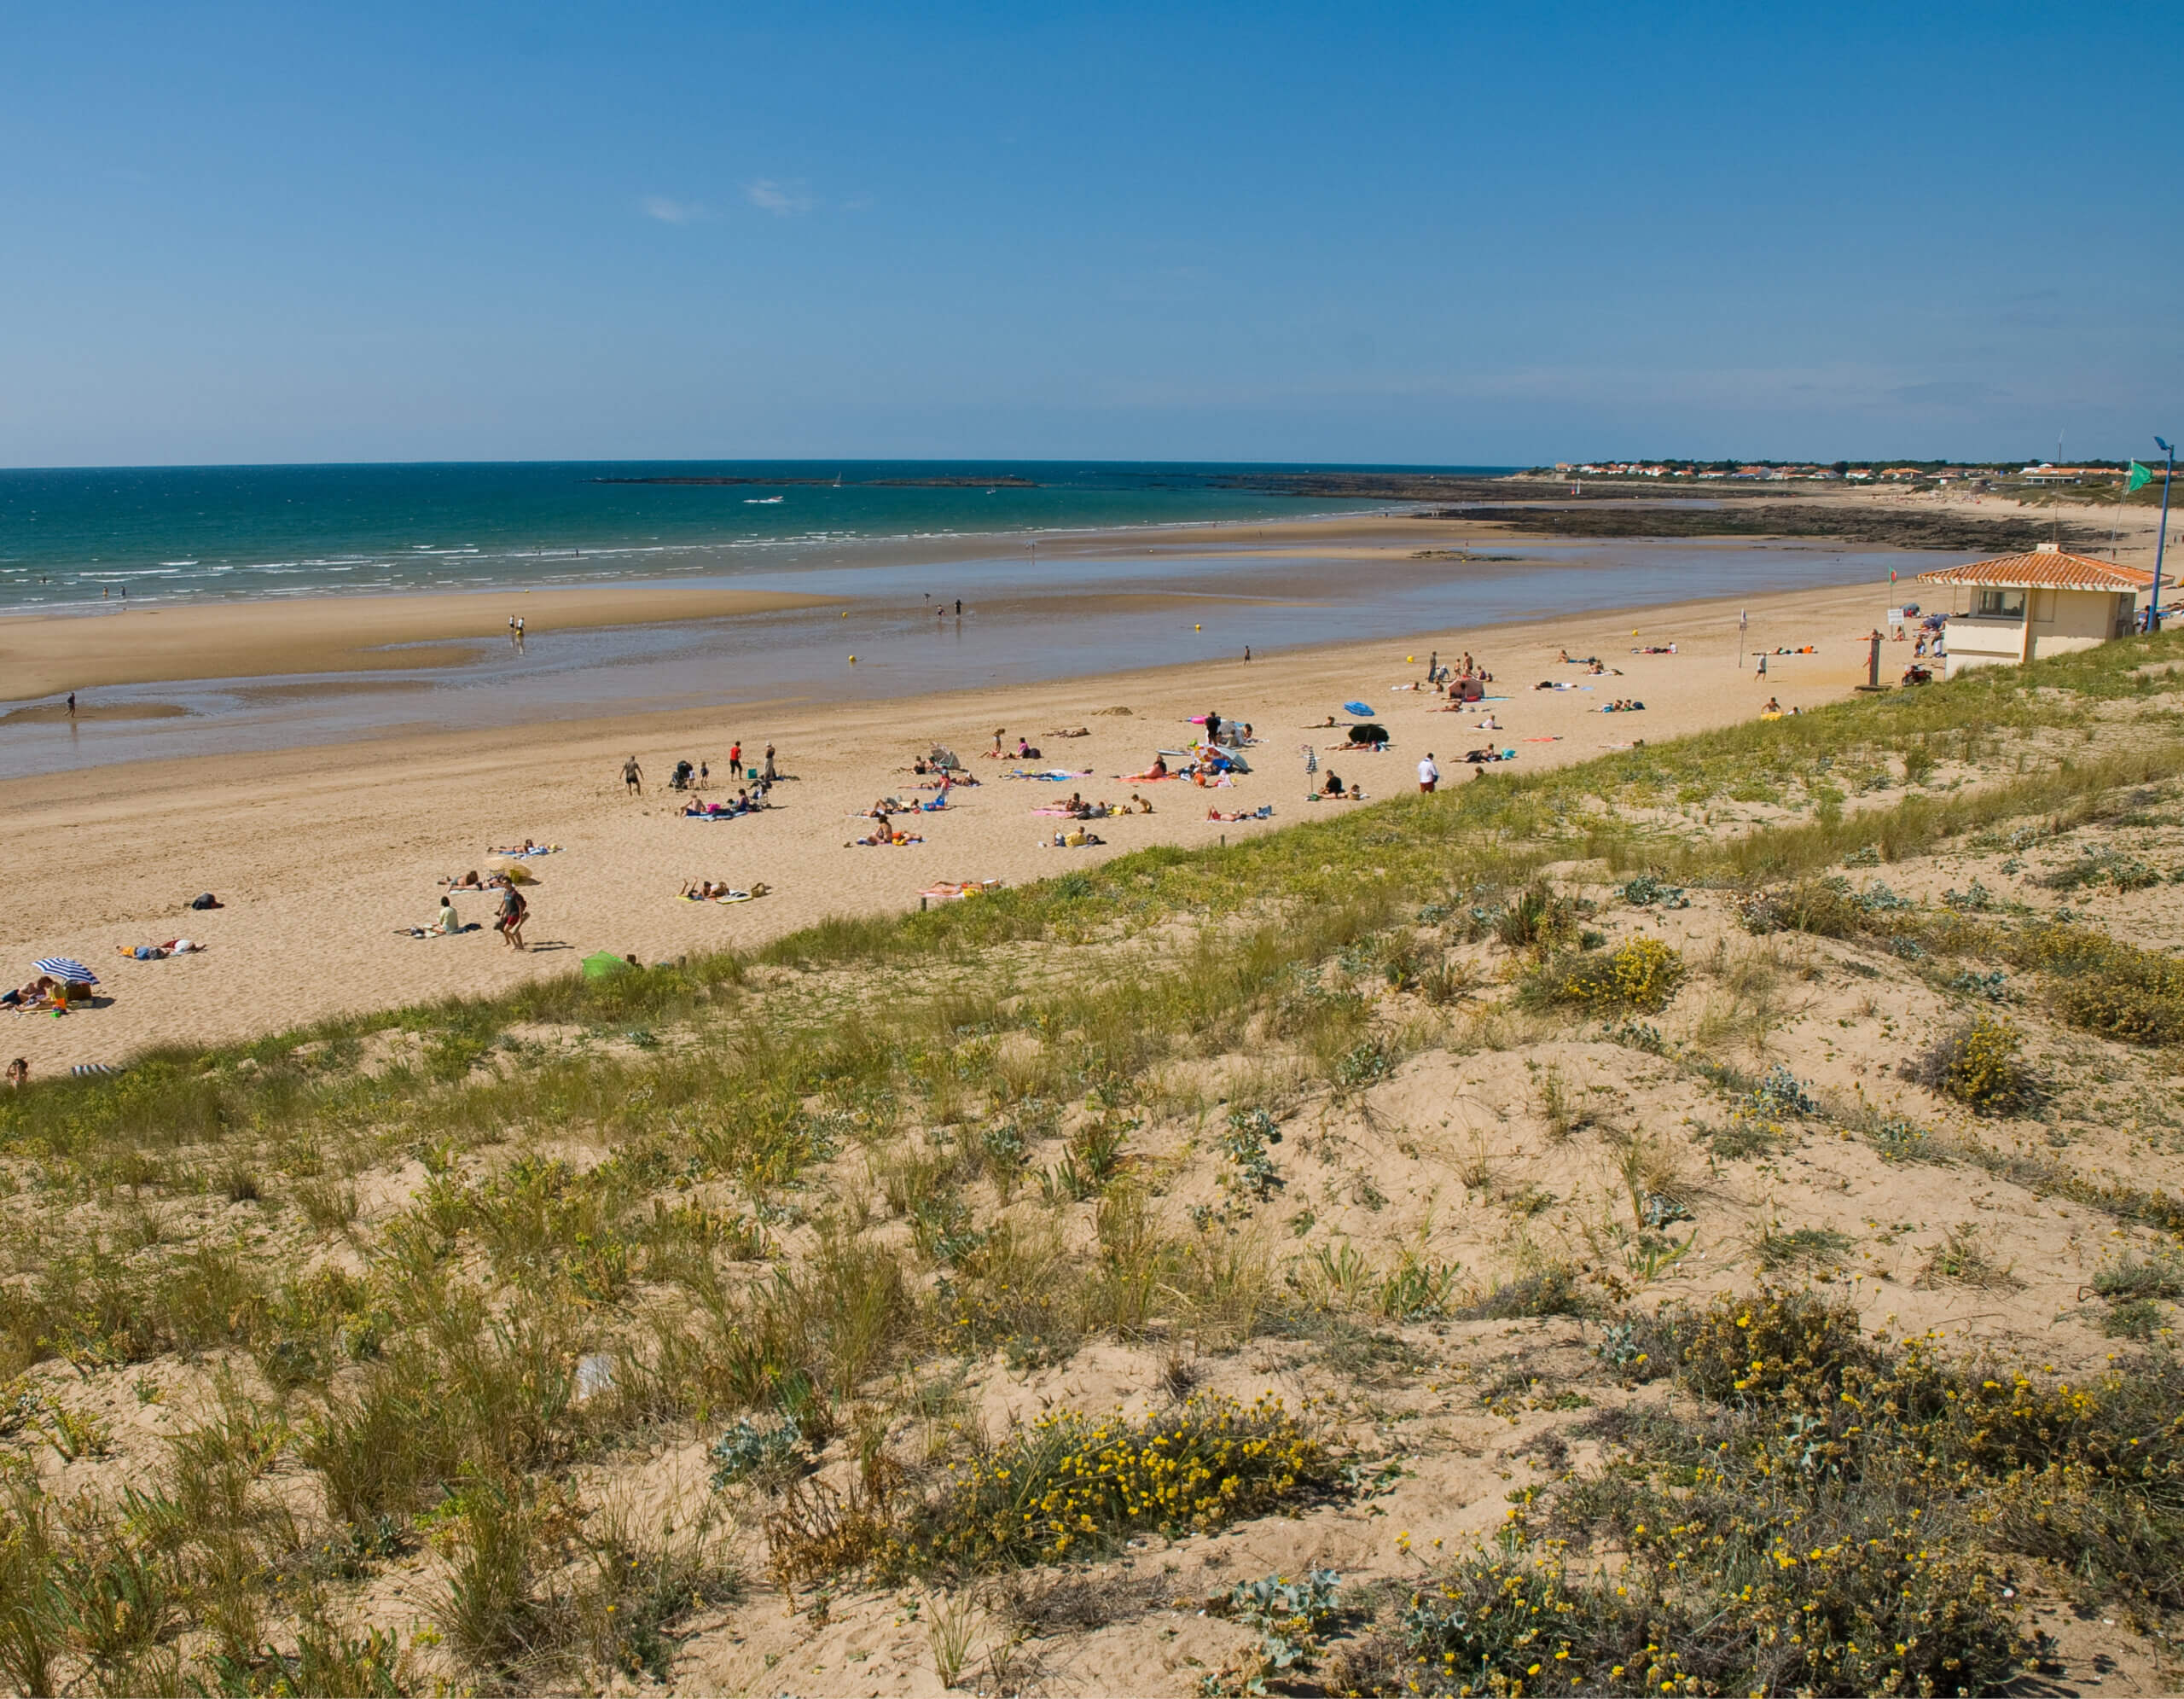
[(71, 705)]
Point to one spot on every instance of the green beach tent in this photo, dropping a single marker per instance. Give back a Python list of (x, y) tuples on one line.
[(601, 963)]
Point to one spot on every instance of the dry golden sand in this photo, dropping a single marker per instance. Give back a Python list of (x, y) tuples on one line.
[(321, 853)]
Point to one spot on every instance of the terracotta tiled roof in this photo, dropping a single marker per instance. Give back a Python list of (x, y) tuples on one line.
[(2048, 569)]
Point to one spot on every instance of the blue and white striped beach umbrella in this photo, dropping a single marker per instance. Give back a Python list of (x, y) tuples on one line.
[(67, 969)]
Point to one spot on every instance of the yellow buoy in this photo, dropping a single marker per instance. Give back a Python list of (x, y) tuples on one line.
[(1198, 628), (852, 661), (1408, 659)]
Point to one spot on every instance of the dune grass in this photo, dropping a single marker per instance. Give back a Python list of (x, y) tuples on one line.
[(745, 1187)]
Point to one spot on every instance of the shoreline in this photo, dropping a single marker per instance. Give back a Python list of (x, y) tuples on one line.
[(320, 854), (187, 642)]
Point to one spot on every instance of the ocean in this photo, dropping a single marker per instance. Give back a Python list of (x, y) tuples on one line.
[(890, 541), (72, 536)]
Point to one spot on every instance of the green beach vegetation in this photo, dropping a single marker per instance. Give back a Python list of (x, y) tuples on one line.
[(1321, 1186)]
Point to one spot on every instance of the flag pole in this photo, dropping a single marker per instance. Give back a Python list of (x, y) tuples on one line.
[(2161, 539)]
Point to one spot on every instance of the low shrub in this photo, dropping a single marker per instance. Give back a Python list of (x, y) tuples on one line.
[(1065, 1487), (1642, 976), (1979, 1065), (1771, 1345)]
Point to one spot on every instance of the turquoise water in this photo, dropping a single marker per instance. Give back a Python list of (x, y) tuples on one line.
[(1121, 597), (79, 535)]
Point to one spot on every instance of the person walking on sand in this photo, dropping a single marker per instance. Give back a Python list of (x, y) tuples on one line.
[(771, 775), (71, 705), (514, 911), (1428, 774), (736, 755), (633, 776)]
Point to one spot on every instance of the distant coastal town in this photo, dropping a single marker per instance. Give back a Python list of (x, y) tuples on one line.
[(1997, 475)]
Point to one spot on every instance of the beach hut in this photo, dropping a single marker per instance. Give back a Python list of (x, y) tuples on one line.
[(2018, 607)]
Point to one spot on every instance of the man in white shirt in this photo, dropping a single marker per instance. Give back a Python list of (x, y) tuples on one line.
[(1428, 774)]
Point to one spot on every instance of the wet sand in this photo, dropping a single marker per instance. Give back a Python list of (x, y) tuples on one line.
[(43, 654), (320, 853)]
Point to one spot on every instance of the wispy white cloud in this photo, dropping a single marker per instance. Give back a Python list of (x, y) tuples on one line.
[(782, 200), (671, 211)]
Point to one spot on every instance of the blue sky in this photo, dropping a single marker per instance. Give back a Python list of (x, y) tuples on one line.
[(1415, 234)]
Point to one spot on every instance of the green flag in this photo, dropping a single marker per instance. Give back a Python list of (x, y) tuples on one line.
[(2139, 480)]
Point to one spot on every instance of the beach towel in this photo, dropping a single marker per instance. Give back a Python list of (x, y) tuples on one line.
[(1556, 739)]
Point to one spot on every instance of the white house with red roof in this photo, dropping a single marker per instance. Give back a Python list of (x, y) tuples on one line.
[(2018, 607)]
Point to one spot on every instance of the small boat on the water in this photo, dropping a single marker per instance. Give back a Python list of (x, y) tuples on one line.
[(763, 501)]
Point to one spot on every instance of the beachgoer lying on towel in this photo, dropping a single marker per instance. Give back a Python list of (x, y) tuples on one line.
[(469, 882), (529, 848), (1624, 705), (882, 835), (1080, 731), (1076, 838), (189, 946), (1264, 811), (1157, 771), (42, 992), (1482, 756), (1655, 649)]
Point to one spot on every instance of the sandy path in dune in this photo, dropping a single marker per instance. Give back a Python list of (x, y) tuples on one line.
[(320, 853)]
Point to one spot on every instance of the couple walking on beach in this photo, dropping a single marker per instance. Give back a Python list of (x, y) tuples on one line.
[(514, 912)]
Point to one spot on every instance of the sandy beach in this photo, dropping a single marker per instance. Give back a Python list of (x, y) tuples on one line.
[(320, 854)]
